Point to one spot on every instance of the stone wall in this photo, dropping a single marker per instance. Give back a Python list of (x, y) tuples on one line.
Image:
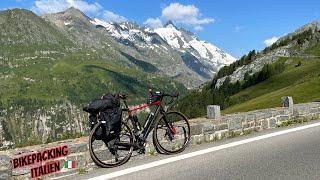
[(202, 130), (255, 120)]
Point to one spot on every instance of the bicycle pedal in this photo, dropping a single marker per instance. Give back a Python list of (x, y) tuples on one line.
[(142, 151)]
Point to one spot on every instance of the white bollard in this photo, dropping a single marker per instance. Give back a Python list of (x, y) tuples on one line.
[(287, 101), (213, 112)]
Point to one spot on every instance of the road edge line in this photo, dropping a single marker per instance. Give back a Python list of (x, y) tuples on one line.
[(199, 152)]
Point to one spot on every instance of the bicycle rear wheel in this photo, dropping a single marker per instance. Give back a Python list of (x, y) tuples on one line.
[(113, 150), (171, 133)]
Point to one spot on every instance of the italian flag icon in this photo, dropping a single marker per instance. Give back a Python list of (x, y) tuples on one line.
[(70, 164)]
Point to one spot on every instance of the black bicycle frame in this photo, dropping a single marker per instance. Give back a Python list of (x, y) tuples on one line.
[(147, 129)]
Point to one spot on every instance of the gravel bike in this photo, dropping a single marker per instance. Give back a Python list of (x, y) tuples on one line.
[(171, 132)]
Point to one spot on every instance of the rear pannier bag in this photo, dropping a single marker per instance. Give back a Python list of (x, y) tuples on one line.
[(110, 116), (100, 105)]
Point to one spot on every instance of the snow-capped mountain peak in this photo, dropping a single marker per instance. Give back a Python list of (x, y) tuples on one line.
[(173, 51), (98, 22), (170, 24), (200, 56), (172, 35), (125, 32), (184, 41)]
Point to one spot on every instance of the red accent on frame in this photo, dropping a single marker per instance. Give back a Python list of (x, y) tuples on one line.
[(174, 130), (142, 106)]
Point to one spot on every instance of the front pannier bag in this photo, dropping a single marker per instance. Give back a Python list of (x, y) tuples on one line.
[(110, 115)]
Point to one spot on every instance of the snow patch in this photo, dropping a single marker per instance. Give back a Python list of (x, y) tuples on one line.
[(67, 23), (172, 36), (200, 48)]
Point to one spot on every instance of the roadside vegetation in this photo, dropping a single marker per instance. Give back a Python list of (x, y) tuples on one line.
[(301, 82)]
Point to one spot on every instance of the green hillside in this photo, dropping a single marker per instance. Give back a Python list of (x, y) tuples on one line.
[(302, 83), (34, 86), (78, 79), (46, 77), (295, 73), (40, 63)]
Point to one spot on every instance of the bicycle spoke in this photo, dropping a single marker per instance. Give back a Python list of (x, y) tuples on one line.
[(107, 152), (172, 133)]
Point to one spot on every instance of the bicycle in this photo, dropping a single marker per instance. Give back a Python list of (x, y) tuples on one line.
[(171, 132)]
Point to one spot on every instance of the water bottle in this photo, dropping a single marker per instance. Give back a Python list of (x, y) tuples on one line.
[(148, 120)]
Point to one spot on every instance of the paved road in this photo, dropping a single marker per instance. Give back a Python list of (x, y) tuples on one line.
[(295, 155)]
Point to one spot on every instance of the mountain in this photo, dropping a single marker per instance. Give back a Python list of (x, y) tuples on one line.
[(211, 57), (173, 46), (289, 67), (291, 45), (53, 65), (28, 29)]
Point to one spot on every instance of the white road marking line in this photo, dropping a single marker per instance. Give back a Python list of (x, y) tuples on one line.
[(59, 177), (197, 153)]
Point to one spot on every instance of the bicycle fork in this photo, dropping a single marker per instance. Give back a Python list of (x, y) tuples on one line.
[(170, 131)]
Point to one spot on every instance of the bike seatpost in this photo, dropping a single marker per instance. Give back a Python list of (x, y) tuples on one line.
[(124, 99)]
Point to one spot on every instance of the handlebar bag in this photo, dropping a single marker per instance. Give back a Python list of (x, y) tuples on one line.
[(156, 96)]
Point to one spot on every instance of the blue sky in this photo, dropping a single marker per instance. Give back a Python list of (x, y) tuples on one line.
[(233, 25)]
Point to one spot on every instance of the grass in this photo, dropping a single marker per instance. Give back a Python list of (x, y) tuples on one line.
[(315, 50), (77, 78), (152, 152), (80, 76), (82, 170), (302, 83)]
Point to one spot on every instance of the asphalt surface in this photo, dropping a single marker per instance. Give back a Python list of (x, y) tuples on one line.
[(295, 155)]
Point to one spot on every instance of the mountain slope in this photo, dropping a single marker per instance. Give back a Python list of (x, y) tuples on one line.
[(302, 83), (185, 41), (87, 33), (52, 65), (289, 67), (48, 73), (294, 44), (26, 28), (170, 45)]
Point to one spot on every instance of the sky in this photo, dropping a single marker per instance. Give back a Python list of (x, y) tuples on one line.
[(235, 26)]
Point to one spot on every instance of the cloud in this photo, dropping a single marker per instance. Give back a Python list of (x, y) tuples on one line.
[(270, 41), (54, 6), (153, 23), (112, 17), (185, 14), (237, 28), (188, 15), (198, 28)]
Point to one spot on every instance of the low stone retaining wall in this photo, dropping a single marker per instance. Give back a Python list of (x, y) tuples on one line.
[(202, 130), (243, 123)]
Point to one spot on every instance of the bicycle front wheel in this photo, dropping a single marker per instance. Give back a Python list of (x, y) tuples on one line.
[(171, 133), (111, 151)]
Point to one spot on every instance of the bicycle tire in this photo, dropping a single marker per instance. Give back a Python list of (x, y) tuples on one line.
[(158, 143), (99, 162)]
